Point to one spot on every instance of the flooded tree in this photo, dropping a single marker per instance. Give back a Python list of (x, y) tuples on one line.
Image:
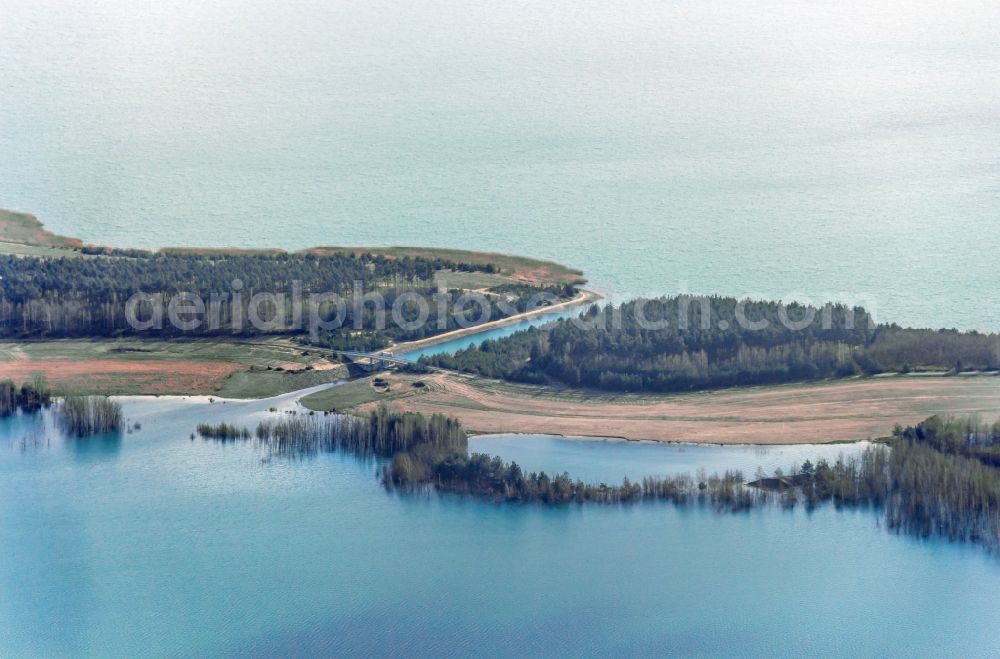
[(383, 433), (223, 431), (937, 478), (31, 396), (83, 416)]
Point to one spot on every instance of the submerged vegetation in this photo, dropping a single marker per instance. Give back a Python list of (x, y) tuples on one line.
[(930, 480), (383, 433), (83, 416), (933, 479), (29, 397), (946, 479), (685, 343), (223, 431), (80, 416)]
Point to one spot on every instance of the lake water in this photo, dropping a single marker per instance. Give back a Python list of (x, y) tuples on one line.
[(609, 461), (774, 148), (154, 544), (779, 149)]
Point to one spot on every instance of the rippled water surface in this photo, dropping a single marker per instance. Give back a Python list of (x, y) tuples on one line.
[(781, 149), (156, 544), (774, 148)]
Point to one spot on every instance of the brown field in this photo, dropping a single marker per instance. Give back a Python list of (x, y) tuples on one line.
[(153, 376), (825, 412), (231, 368)]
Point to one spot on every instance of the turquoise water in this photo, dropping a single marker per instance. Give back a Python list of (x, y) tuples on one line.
[(454, 345), (781, 149), (774, 148), (154, 544)]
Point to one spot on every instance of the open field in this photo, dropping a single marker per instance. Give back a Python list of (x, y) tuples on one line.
[(357, 393), (256, 382), (228, 366), (821, 412), (471, 281), (233, 368), (19, 249)]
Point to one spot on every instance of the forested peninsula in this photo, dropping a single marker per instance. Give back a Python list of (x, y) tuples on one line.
[(659, 345), (685, 343), (88, 297)]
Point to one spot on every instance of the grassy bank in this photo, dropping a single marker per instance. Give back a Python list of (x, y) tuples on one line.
[(836, 411), (517, 268), (357, 393)]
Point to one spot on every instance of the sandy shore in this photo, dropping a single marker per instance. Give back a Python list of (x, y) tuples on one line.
[(805, 413)]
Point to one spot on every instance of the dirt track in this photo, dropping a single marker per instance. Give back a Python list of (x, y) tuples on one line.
[(851, 410)]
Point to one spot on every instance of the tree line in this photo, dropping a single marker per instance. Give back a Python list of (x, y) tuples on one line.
[(684, 343), (87, 296), (489, 477), (931, 480), (937, 478), (965, 436)]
